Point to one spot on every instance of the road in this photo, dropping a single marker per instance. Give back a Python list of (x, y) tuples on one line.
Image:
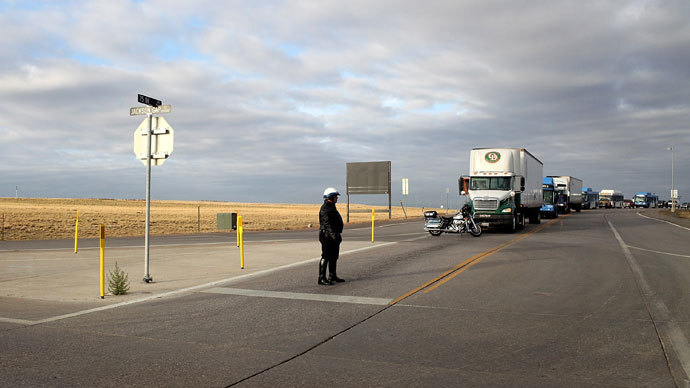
[(598, 298)]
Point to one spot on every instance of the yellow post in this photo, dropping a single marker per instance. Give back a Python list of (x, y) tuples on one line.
[(372, 224), (239, 219), (102, 261), (76, 233), (240, 227)]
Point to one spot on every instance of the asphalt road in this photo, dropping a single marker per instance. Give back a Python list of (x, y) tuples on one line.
[(598, 298)]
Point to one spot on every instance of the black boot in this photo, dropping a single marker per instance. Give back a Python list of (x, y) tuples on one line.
[(332, 276), (322, 274)]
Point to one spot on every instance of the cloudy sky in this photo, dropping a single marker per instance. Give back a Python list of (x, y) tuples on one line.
[(271, 99)]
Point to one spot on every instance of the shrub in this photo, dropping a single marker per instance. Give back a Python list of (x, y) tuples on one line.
[(118, 281)]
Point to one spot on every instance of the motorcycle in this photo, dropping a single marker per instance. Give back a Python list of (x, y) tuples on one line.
[(462, 222)]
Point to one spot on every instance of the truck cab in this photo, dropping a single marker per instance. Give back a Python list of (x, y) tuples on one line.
[(549, 209)]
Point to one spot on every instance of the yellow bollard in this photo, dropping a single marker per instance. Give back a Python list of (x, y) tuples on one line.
[(237, 230), (240, 227), (372, 224), (76, 233), (102, 261)]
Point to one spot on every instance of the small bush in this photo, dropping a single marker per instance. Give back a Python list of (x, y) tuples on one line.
[(118, 281)]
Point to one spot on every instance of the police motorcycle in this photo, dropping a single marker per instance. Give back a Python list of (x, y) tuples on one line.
[(462, 222)]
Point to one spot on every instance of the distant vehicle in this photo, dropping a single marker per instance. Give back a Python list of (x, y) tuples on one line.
[(645, 199), (661, 204), (570, 191), (628, 204), (684, 205), (610, 198), (590, 199), (549, 209)]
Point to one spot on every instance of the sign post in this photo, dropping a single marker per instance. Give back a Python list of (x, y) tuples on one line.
[(162, 129)]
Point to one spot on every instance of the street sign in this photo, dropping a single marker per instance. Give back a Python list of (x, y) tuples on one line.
[(674, 194), (148, 100), (146, 110), (161, 141)]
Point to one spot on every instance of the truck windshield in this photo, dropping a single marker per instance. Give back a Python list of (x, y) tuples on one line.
[(548, 197), (490, 183)]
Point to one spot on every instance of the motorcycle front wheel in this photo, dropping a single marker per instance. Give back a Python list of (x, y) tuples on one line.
[(435, 232), (476, 231)]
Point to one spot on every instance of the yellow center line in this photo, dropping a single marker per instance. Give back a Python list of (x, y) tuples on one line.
[(458, 269)]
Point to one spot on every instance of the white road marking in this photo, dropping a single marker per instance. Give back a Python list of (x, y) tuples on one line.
[(661, 315), (656, 219), (659, 252), (184, 290), (299, 296)]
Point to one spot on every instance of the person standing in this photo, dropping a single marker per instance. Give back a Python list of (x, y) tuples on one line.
[(330, 230)]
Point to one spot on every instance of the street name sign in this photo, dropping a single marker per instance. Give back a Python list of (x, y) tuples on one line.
[(149, 110), (148, 100)]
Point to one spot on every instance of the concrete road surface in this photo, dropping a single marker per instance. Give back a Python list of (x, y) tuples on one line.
[(598, 298)]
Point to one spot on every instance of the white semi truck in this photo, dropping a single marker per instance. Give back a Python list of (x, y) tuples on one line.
[(569, 190), (505, 186)]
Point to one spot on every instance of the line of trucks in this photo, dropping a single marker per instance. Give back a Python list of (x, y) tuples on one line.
[(506, 187)]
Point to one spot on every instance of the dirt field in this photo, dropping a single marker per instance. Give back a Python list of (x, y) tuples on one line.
[(50, 218)]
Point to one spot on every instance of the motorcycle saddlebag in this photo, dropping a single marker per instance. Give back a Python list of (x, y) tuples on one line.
[(430, 214)]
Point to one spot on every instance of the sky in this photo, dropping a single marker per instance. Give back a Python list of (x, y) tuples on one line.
[(271, 99)]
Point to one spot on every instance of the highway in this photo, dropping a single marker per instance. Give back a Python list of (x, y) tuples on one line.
[(597, 298)]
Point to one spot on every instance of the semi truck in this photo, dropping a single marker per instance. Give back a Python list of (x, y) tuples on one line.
[(549, 207), (505, 186), (570, 191), (590, 198)]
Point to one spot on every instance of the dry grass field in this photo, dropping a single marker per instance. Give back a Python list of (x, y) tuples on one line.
[(54, 218)]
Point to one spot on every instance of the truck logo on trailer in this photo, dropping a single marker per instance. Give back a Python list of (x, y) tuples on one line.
[(492, 157)]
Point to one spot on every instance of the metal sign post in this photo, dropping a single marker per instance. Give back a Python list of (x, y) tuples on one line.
[(147, 274), (164, 131)]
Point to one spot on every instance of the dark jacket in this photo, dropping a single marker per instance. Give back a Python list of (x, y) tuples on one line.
[(330, 221)]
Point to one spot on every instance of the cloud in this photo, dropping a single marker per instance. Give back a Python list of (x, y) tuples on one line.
[(270, 100)]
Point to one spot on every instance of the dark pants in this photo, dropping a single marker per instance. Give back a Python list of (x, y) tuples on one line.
[(330, 250)]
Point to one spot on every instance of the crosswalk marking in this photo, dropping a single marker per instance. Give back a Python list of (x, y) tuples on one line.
[(299, 296)]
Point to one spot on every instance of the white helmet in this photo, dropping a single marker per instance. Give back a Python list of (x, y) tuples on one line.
[(330, 192)]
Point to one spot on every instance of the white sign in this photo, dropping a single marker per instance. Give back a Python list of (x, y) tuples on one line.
[(146, 110), (674, 194), (405, 186), (161, 141)]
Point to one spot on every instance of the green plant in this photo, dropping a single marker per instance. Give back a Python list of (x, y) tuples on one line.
[(118, 281)]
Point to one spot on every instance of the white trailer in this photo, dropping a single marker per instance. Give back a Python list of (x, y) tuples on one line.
[(571, 187), (505, 187)]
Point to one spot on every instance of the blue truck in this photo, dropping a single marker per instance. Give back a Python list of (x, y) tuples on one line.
[(590, 198), (549, 208)]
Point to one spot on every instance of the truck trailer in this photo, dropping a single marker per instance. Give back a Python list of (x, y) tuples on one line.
[(505, 187), (570, 190)]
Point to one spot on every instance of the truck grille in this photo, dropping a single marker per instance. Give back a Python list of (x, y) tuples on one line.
[(486, 204)]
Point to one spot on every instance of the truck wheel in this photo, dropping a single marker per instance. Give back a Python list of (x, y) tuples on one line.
[(536, 218)]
